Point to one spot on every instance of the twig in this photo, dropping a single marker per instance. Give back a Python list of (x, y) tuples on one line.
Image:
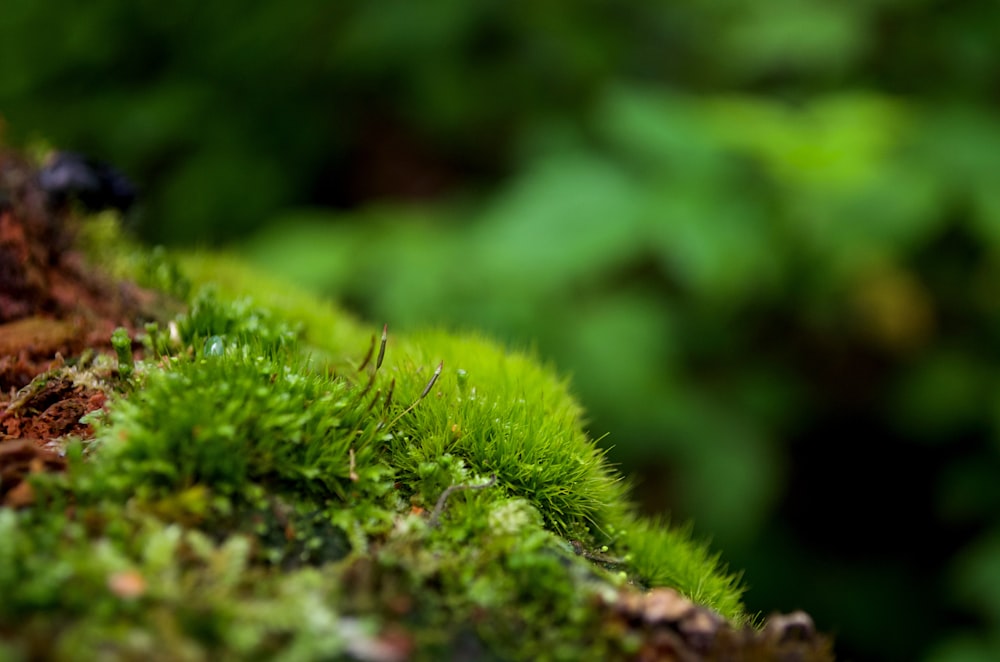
[(439, 506)]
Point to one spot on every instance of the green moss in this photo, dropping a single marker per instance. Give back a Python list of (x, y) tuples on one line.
[(106, 245), (246, 416), (502, 413), (265, 488), (659, 555), (122, 344), (238, 321), (325, 328)]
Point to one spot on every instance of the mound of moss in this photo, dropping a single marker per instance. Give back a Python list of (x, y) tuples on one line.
[(269, 479)]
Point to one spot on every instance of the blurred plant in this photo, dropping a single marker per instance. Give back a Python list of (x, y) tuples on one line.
[(227, 121)]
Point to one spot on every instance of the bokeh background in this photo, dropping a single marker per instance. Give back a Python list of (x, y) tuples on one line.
[(762, 237)]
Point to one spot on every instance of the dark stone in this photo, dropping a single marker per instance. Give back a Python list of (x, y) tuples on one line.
[(94, 185)]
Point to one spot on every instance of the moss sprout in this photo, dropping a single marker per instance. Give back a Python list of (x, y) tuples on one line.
[(122, 344)]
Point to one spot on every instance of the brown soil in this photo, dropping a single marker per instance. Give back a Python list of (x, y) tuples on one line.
[(53, 308)]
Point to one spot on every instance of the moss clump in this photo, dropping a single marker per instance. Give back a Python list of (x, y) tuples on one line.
[(244, 417), (501, 413), (663, 556), (261, 487)]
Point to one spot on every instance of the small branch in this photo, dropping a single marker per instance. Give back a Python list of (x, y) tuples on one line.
[(439, 506), (595, 556)]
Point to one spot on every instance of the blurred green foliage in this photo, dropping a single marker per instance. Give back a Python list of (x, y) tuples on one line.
[(763, 238)]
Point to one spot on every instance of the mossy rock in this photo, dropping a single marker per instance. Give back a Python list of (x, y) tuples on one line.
[(263, 477)]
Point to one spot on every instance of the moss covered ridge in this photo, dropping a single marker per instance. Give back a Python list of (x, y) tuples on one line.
[(269, 479)]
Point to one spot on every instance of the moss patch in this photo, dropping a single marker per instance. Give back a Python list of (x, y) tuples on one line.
[(268, 479)]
